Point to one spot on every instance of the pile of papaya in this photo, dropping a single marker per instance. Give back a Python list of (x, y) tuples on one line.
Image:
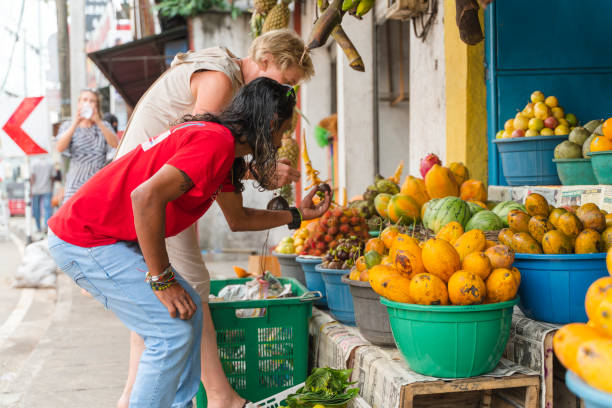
[(455, 267), (586, 349), (544, 229)]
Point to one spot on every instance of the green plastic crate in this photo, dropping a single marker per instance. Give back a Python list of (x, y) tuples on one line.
[(262, 356)]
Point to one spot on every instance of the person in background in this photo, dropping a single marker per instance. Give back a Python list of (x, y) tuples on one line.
[(112, 119), (41, 179), (86, 140)]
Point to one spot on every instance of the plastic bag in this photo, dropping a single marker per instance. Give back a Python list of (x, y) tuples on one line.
[(37, 269)]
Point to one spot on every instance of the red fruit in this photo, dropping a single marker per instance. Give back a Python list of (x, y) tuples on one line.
[(333, 231), (355, 220), (328, 238), (345, 228), (332, 222), (551, 122), (327, 215), (427, 163), (357, 228), (317, 253), (339, 237), (344, 219), (518, 133), (337, 212), (333, 244), (321, 245)]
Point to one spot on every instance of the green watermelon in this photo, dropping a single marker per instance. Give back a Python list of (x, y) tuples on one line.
[(446, 210), (502, 209), (485, 221), (429, 210), (474, 208)]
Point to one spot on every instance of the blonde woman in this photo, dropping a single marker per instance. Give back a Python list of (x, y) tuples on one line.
[(85, 140), (196, 83)]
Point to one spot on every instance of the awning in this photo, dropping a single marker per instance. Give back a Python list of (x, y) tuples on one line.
[(132, 67)]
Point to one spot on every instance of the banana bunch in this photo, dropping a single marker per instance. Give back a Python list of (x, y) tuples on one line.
[(357, 8)]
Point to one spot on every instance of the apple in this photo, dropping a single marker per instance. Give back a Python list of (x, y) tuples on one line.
[(528, 110), (547, 132), (521, 122), (537, 96), (532, 132), (536, 124), (562, 130), (558, 112), (552, 101), (518, 133), (541, 111), (509, 125), (551, 122), (572, 119)]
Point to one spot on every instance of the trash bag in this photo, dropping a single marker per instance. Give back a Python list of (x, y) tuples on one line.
[(37, 269)]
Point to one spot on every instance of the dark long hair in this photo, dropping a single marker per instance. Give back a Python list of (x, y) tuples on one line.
[(256, 114)]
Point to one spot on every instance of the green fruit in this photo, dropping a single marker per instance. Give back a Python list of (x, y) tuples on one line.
[(502, 209), (592, 125), (372, 258), (578, 135), (474, 208), (586, 146), (567, 150), (485, 221), (598, 131), (387, 186), (571, 119), (446, 210)]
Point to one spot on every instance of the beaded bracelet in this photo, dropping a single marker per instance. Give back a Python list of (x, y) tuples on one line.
[(162, 281)]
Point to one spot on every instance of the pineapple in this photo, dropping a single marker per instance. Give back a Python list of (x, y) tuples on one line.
[(289, 150), (257, 21), (264, 6), (278, 17)]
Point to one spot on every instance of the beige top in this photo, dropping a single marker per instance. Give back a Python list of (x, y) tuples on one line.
[(170, 96)]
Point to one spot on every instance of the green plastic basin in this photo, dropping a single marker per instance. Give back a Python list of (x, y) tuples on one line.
[(602, 166), (451, 341), (575, 172)]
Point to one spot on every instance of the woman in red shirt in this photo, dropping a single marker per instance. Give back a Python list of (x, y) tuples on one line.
[(111, 233)]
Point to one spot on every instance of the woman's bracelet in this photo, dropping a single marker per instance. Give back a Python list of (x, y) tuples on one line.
[(162, 281)]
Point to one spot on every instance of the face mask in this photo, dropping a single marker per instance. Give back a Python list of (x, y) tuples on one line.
[(87, 111)]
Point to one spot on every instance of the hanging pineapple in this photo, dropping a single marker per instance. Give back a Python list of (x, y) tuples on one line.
[(278, 17)]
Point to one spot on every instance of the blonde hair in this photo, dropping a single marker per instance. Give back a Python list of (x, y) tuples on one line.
[(287, 49)]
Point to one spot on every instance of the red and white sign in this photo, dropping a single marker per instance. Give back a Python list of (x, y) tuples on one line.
[(24, 126)]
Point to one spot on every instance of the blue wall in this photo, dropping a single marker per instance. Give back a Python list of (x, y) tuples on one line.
[(560, 47)]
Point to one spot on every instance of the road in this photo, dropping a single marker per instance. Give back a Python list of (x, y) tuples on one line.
[(59, 348)]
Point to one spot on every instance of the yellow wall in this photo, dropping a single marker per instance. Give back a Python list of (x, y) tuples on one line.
[(466, 109)]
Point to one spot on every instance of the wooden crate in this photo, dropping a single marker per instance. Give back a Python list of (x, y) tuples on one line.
[(484, 386)]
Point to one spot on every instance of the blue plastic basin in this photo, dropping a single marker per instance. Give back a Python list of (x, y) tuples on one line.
[(313, 278), (529, 160), (592, 397), (553, 287), (339, 298), (602, 166)]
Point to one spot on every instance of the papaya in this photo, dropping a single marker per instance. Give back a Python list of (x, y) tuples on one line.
[(555, 242), (380, 275), (595, 294), (440, 182), (500, 256), (570, 224), (501, 286), (388, 235), (490, 244), (381, 204), (505, 236), (466, 288), (568, 339), (403, 209), (460, 172), (473, 190), (364, 276), (592, 218), (405, 254), (360, 264), (428, 289), (355, 274), (606, 237), (538, 226), (450, 232), (594, 359), (518, 221), (603, 314), (472, 241), (415, 188), (440, 258), (536, 204), (517, 275), (555, 214), (478, 263), (588, 242), (375, 244), (523, 243)]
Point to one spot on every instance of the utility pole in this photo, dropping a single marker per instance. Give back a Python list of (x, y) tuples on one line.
[(77, 52), (63, 57)]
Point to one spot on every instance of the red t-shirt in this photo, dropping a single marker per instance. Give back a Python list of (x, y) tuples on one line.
[(100, 213)]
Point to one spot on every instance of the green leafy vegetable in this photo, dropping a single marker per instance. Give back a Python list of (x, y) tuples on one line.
[(325, 386)]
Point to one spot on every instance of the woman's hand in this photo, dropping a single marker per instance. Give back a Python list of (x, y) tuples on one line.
[(77, 119), (177, 300), (95, 116), (311, 211), (285, 174)]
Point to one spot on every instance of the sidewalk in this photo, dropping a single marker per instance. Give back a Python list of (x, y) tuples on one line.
[(59, 348)]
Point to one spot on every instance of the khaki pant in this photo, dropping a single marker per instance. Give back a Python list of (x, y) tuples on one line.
[(186, 258)]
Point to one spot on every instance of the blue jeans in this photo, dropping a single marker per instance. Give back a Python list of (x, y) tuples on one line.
[(46, 202), (169, 369)]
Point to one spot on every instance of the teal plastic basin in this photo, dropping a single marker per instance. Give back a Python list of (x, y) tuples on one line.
[(602, 166), (592, 397), (451, 341), (575, 172)]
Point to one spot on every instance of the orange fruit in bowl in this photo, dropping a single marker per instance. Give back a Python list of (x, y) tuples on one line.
[(606, 128), (601, 144)]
